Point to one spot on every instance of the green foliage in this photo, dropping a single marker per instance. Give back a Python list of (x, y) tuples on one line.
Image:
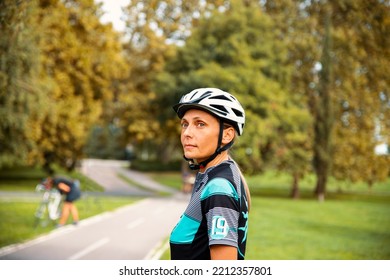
[(58, 65), (81, 62), (21, 112), (150, 166), (146, 51), (63, 73), (238, 51), (105, 143), (359, 90), (361, 94)]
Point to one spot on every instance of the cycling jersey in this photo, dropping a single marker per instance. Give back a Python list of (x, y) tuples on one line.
[(217, 214)]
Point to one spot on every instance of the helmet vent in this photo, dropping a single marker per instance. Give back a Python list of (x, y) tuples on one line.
[(192, 96), (238, 113), (220, 108), (220, 97)]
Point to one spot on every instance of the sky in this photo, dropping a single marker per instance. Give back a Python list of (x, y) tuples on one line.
[(113, 12)]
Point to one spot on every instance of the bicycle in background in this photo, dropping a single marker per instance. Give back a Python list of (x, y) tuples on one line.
[(49, 209)]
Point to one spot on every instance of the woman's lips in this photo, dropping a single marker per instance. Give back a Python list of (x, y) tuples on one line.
[(189, 146)]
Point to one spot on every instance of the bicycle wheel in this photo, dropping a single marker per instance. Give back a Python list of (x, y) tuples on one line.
[(41, 217)]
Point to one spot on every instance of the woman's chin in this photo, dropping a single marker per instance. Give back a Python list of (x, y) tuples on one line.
[(189, 155)]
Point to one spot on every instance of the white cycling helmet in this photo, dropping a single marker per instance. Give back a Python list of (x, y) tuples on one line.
[(221, 104)]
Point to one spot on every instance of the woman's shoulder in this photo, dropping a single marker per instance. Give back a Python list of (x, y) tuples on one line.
[(219, 186)]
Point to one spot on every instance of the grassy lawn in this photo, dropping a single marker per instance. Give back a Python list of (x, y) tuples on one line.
[(17, 216), (284, 229), (172, 179)]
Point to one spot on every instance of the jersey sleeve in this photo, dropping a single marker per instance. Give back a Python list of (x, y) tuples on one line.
[(221, 206)]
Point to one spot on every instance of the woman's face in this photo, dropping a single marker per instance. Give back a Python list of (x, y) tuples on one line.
[(199, 134)]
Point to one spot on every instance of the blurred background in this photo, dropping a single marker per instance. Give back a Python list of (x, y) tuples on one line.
[(313, 77)]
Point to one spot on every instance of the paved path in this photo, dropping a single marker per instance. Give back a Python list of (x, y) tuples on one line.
[(105, 172), (134, 232)]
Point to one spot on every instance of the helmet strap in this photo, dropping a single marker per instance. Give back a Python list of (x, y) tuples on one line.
[(194, 166)]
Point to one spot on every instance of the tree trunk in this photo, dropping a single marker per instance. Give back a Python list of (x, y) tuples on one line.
[(295, 187), (322, 178), (324, 114)]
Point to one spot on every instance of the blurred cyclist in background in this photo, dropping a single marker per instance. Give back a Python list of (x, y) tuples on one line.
[(71, 189)]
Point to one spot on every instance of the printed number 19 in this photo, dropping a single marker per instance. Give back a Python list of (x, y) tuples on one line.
[(219, 227)]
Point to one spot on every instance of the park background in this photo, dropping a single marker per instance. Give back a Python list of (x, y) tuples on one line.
[(311, 75)]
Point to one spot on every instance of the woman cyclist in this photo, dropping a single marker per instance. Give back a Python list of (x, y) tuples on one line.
[(215, 223)]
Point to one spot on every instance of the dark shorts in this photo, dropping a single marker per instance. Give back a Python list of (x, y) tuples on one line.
[(75, 192)]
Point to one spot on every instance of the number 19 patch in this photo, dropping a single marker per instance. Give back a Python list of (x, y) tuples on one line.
[(219, 227)]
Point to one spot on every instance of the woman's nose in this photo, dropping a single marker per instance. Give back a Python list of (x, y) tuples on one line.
[(187, 131)]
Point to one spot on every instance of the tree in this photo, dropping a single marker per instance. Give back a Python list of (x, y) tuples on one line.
[(363, 108), (153, 30), (294, 27), (237, 50), (21, 97), (81, 63), (359, 88), (321, 102)]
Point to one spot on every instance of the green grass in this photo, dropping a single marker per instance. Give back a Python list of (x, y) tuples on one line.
[(284, 229), (17, 216), (136, 184), (171, 179)]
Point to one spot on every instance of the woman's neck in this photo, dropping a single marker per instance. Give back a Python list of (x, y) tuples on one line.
[(218, 159)]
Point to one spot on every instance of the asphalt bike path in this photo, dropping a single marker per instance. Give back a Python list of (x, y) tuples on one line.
[(134, 232), (106, 172)]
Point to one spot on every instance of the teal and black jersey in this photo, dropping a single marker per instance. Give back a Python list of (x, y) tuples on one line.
[(217, 214)]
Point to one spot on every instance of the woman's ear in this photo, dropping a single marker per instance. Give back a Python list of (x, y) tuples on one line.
[(228, 135)]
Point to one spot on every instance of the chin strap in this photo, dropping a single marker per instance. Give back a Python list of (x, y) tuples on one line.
[(196, 166)]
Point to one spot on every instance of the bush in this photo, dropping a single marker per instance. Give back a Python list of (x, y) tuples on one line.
[(150, 166)]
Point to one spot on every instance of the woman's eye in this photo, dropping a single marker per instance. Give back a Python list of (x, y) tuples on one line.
[(184, 125), (200, 124)]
